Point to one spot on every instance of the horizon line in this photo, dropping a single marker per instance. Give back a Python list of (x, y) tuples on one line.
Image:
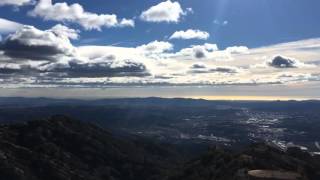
[(207, 98)]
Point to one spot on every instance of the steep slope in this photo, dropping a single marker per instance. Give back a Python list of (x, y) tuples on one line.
[(60, 148)]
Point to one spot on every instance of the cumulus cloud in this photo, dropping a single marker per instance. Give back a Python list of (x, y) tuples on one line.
[(16, 2), (7, 26), (126, 23), (197, 51), (155, 47), (282, 62), (237, 49), (75, 13), (285, 62), (190, 34), (49, 54), (164, 12), (64, 31), (32, 43)]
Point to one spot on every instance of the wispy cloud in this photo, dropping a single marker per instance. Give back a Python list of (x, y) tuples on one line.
[(221, 23), (16, 2)]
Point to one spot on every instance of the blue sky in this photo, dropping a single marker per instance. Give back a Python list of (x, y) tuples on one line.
[(76, 43), (250, 22)]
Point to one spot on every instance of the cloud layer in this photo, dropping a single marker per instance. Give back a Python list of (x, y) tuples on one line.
[(30, 57)]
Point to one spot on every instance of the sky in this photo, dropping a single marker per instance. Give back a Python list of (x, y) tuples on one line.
[(211, 49)]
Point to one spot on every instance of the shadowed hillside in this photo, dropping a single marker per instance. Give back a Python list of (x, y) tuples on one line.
[(60, 148), (259, 161)]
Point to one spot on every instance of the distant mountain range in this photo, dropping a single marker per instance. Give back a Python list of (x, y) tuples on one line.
[(60, 148), (193, 124), (155, 101)]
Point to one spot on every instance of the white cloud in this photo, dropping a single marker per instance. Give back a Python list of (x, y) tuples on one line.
[(57, 36), (190, 34), (47, 55), (37, 58), (156, 47), (127, 23), (7, 26), (196, 51), (237, 49), (76, 14), (15, 2), (65, 31), (164, 12), (32, 43)]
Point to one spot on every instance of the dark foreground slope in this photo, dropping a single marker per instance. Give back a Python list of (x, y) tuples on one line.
[(63, 149), (259, 161)]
